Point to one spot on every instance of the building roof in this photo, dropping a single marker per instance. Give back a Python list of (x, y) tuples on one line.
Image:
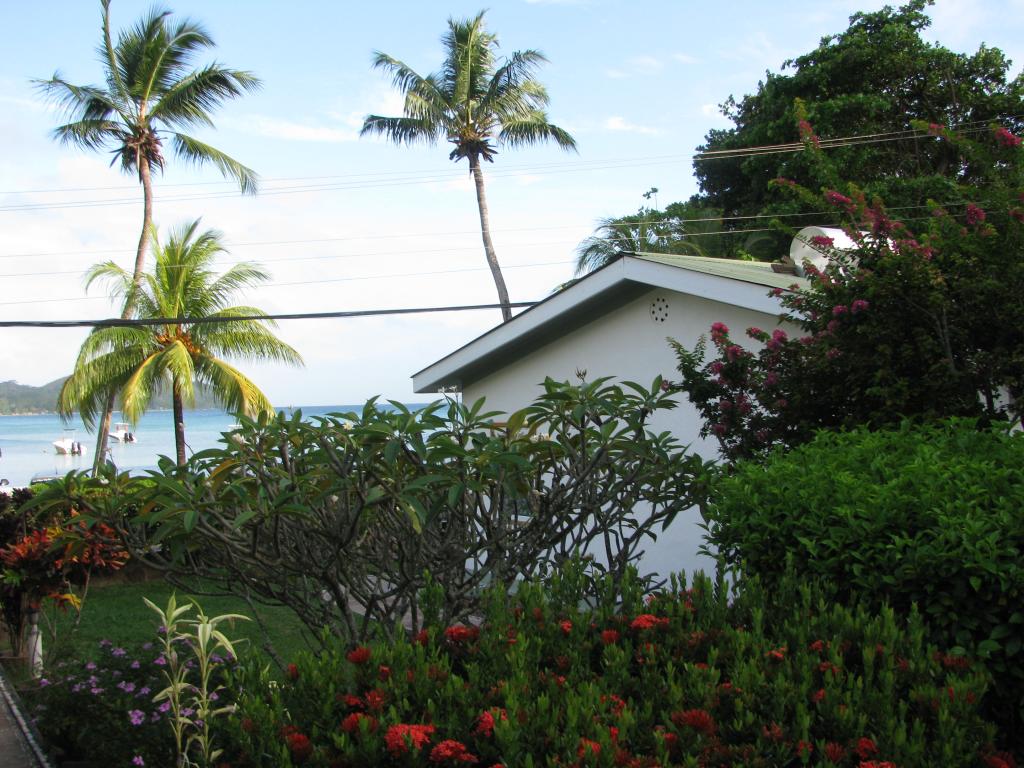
[(739, 283)]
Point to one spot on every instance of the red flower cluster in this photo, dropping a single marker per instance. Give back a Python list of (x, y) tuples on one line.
[(699, 720), (974, 215), (610, 636), (298, 743), (486, 721), (351, 724), (359, 655), (461, 634), (293, 672), (399, 738), (566, 627), (588, 747), (865, 748), (453, 751), (648, 621)]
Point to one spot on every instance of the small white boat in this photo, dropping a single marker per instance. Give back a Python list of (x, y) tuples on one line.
[(122, 433), (68, 446)]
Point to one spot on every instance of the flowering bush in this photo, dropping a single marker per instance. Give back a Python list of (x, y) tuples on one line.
[(897, 517), (685, 679), (921, 319), (102, 709)]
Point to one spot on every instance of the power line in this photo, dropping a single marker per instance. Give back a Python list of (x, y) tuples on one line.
[(118, 322), (314, 282), (770, 149)]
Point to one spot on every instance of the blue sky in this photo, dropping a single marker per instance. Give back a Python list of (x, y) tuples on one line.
[(345, 223)]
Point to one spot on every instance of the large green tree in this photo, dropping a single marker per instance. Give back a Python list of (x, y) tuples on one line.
[(477, 103), (152, 93), (139, 361), (877, 77)]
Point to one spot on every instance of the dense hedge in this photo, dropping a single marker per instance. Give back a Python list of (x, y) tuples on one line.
[(682, 680), (928, 515)]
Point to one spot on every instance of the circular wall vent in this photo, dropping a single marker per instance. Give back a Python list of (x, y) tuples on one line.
[(659, 310)]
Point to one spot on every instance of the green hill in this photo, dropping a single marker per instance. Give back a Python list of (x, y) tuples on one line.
[(21, 398)]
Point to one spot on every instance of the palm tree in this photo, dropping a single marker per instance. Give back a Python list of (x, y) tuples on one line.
[(151, 94), (477, 103), (138, 361)]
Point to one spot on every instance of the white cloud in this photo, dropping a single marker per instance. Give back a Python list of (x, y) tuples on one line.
[(616, 74), (289, 130), (685, 58), (617, 123), (646, 65)]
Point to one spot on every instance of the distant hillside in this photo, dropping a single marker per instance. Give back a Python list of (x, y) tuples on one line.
[(20, 398)]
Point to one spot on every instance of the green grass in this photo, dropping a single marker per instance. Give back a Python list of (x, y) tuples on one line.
[(115, 611)]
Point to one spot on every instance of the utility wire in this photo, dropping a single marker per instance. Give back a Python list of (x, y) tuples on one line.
[(116, 322), (708, 155)]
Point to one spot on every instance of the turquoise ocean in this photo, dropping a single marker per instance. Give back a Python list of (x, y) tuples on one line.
[(26, 442)]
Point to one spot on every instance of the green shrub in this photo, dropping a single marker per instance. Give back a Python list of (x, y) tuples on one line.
[(685, 679), (927, 515)]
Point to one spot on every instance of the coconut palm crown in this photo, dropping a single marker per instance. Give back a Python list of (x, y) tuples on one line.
[(475, 102), (139, 361), (152, 94)]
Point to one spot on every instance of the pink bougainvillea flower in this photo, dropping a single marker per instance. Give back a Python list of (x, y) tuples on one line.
[(1005, 139), (974, 215)]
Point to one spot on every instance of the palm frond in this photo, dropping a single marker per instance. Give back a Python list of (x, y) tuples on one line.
[(189, 101), (534, 129), (234, 389), (402, 130), (197, 152)]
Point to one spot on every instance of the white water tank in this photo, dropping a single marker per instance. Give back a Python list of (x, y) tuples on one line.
[(802, 249)]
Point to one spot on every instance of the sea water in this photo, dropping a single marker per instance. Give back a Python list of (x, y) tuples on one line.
[(26, 442)]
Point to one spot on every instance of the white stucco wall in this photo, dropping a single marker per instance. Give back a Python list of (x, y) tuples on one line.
[(628, 343)]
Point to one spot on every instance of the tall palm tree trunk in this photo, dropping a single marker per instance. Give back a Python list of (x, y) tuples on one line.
[(179, 423), (485, 233), (103, 433)]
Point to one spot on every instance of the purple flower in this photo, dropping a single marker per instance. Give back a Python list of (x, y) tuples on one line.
[(160, 661), (119, 652), (165, 707), (135, 664), (187, 711), (126, 686), (91, 666), (137, 716), (137, 760), (96, 691), (104, 643), (77, 687), (146, 646), (214, 696), (43, 682), (144, 690)]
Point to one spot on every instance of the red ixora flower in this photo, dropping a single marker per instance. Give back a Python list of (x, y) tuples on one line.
[(648, 621), (299, 746), (777, 654), (588, 746), (566, 626), (293, 672), (351, 723), (610, 636), (876, 764), (699, 720), (453, 751), (399, 738), (486, 721), (835, 752), (359, 655), (865, 748), (804, 748), (461, 634)]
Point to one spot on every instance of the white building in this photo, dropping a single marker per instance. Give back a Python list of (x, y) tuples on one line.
[(615, 322)]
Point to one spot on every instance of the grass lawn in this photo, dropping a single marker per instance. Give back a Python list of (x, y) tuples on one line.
[(115, 611)]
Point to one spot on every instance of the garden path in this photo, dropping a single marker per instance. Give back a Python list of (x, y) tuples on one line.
[(15, 751)]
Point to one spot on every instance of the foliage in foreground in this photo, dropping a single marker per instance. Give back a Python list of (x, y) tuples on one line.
[(683, 679), (921, 515), (343, 519)]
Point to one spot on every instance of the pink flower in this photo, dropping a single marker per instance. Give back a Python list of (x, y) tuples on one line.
[(1005, 139), (820, 241), (975, 215), (858, 306), (935, 129), (838, 310), (836, 198)]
